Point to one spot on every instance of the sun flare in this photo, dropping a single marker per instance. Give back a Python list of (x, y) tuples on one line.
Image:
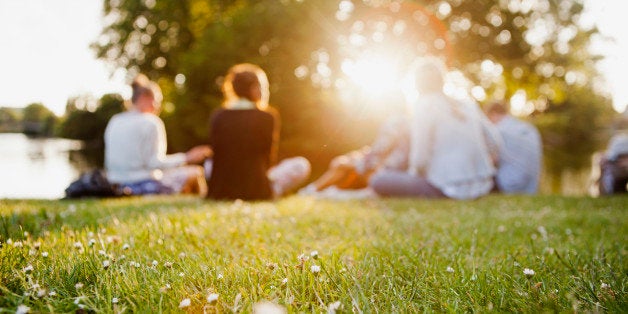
[(374, 74)]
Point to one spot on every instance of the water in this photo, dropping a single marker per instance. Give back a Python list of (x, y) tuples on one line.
[(37, 168)]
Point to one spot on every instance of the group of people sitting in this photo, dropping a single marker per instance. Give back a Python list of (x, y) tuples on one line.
[(436, 146)]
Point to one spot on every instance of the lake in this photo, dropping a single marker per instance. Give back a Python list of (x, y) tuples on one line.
[(38, 167), (43, 168)]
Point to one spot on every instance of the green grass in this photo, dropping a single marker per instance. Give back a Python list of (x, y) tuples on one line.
[(398, 255)]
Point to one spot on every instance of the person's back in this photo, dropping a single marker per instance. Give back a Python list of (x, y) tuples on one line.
[(135, 149), (520, 155), (242, 141), (452, 145), (459, 161), (520, 158), (126, 141)]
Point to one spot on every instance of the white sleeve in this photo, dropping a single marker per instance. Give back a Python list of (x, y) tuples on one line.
[(155, 149)]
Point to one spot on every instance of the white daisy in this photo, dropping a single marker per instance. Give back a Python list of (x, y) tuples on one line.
[(315, 269), (212, 297), (450, 269), (528, 272), (22, 309), (185, 303)]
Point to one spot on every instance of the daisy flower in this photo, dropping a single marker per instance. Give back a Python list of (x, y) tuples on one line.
[(315, 269), (212, 297), (185, 303), (22, 309), (528, 272)]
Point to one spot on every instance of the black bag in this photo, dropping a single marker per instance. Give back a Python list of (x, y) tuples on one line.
[(91, 183)]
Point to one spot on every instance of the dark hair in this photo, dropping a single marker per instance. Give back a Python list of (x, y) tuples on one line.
[(242, 83), (239, 81), (141, 85)]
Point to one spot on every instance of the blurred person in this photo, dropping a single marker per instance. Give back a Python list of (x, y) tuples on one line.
[(613, 165), (520, 156), (244, 136), (135, 149), (453, 146), (352, 171)]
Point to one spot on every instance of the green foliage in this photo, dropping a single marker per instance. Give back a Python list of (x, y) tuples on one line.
[(503, 47), (375, 256), (10, 120), (37, 120), (81, 123)]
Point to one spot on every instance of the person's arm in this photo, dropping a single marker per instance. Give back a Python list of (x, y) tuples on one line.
[(154, 152), (492, 138), (274, 147), (387, 137)]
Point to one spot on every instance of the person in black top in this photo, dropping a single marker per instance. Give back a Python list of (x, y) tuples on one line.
[(244, 137)]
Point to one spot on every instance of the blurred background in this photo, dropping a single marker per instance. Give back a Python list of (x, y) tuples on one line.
[(336, 68)]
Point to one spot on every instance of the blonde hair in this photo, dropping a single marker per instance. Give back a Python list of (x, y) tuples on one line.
[(240, 79), (141, 85)]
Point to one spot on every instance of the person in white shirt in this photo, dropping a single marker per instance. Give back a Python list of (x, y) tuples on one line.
[(453, 146), (135, 149), (519, 165)]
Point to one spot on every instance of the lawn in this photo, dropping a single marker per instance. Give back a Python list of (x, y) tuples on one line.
[(157, 254)]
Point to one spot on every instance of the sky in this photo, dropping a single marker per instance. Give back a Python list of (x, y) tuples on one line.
[(45, 55)]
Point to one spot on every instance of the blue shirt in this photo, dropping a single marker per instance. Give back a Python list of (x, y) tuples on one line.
[(519, 157)]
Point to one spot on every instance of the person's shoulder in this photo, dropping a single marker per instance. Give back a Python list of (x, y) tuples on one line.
[(272, 112)]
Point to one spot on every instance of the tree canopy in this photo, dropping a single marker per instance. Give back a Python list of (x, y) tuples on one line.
[(533, 53)]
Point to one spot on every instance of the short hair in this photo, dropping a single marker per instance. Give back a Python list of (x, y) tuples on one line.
[(240, 79), (429, 74), (141, 85), (497, 108)]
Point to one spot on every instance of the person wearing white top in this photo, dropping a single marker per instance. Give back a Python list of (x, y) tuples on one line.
[(135, 149), (453, 146), (519, 166)]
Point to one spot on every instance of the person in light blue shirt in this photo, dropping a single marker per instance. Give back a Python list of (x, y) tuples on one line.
[(519, 164)]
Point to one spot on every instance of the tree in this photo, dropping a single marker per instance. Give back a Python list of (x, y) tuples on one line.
[(38, 120), (534, 53), (9, 120), (85, 123)]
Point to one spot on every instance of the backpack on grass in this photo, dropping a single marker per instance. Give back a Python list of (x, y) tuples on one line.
[(92, 183)]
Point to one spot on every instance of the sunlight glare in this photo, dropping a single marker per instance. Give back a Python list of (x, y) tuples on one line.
[(373, 73)]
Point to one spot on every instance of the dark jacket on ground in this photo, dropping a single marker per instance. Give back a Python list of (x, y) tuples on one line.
[(245, 146)]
